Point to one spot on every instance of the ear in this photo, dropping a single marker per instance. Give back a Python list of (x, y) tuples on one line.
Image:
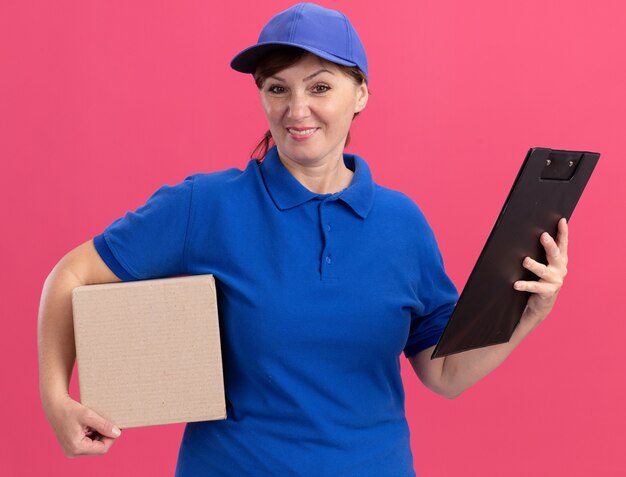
[(362, 96)]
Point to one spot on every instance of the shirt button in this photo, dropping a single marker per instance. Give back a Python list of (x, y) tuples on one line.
[(328, 260), (328, 228)]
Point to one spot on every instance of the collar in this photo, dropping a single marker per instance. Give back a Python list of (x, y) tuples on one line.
[(286, 191)]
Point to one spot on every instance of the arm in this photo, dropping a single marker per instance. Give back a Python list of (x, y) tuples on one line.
[(453, 374), (73, 424)]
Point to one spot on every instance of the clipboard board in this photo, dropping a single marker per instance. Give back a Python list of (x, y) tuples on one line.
[(548, 187)]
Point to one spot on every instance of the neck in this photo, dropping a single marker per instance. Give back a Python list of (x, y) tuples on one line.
[(322, 177)]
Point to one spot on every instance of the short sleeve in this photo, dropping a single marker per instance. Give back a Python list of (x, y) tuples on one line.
[(150, 241), (436, 296)]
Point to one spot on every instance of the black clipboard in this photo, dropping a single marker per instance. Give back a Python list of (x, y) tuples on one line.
[(548, 187)]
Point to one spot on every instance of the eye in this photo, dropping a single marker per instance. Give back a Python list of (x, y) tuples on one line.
[(275, 89), (323, 86)]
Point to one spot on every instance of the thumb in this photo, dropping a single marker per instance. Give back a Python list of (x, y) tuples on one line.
[(102, 425)]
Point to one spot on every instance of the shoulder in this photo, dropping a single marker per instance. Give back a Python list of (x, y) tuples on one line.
[(222, 180), (402, 217), (397, 204), (215, 178)]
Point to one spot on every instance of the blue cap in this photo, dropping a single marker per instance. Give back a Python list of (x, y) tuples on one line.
[(324, 32)]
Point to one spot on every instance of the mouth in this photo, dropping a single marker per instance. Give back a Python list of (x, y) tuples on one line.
[(302, 133)]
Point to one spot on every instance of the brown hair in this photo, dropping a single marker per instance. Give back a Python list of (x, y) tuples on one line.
[(277, 60)]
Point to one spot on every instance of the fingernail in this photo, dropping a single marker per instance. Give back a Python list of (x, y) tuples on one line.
[(116, 432)]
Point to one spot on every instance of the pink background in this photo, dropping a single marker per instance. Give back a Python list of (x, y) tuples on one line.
[(101, 102)]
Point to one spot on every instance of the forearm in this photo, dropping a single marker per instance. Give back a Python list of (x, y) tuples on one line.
[(55, 335), (462, 370)]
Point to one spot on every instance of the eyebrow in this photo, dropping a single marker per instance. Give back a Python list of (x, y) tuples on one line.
[(308, 77)]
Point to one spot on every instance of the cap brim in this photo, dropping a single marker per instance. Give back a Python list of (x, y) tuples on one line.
[(246, 60)]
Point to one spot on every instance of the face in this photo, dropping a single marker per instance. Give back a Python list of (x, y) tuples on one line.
[(309, 107)]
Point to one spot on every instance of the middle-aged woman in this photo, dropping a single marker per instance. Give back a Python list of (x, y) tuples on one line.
[(324, 278)]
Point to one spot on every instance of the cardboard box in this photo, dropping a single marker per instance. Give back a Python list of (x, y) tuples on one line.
[(148, 352)]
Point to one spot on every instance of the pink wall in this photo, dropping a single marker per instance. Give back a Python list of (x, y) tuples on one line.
[(101, 102)]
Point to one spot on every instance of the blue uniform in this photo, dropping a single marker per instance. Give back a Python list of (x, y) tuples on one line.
[(318, 295)]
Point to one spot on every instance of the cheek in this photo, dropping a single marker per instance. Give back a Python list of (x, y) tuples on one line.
[(273, 111), (341, 114), (269, 107)]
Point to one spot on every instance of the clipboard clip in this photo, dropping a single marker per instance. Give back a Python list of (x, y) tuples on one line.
[(560, 165)]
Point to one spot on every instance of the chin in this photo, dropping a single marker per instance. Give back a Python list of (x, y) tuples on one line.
[(300, 150), (302, 157)]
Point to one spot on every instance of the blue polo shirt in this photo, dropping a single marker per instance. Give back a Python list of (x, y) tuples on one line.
[(318, 295)]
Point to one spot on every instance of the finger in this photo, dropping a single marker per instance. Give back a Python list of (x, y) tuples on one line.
[(96, 436), (553, 253), (100, 424), (89, 446), (562, 237), (539, 269), (106, 441), (544, 289)]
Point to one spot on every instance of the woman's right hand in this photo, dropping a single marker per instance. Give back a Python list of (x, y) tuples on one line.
[(80, 430)]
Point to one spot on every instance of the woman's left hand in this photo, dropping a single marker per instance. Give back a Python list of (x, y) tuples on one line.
[(453, 374), (551, 276)]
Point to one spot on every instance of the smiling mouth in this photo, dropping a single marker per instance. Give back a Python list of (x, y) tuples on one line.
[(304, 132)]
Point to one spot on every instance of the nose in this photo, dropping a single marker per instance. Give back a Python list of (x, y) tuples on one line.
[(298, 106)]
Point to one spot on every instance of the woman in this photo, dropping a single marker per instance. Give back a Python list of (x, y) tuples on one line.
[(324, 277)]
